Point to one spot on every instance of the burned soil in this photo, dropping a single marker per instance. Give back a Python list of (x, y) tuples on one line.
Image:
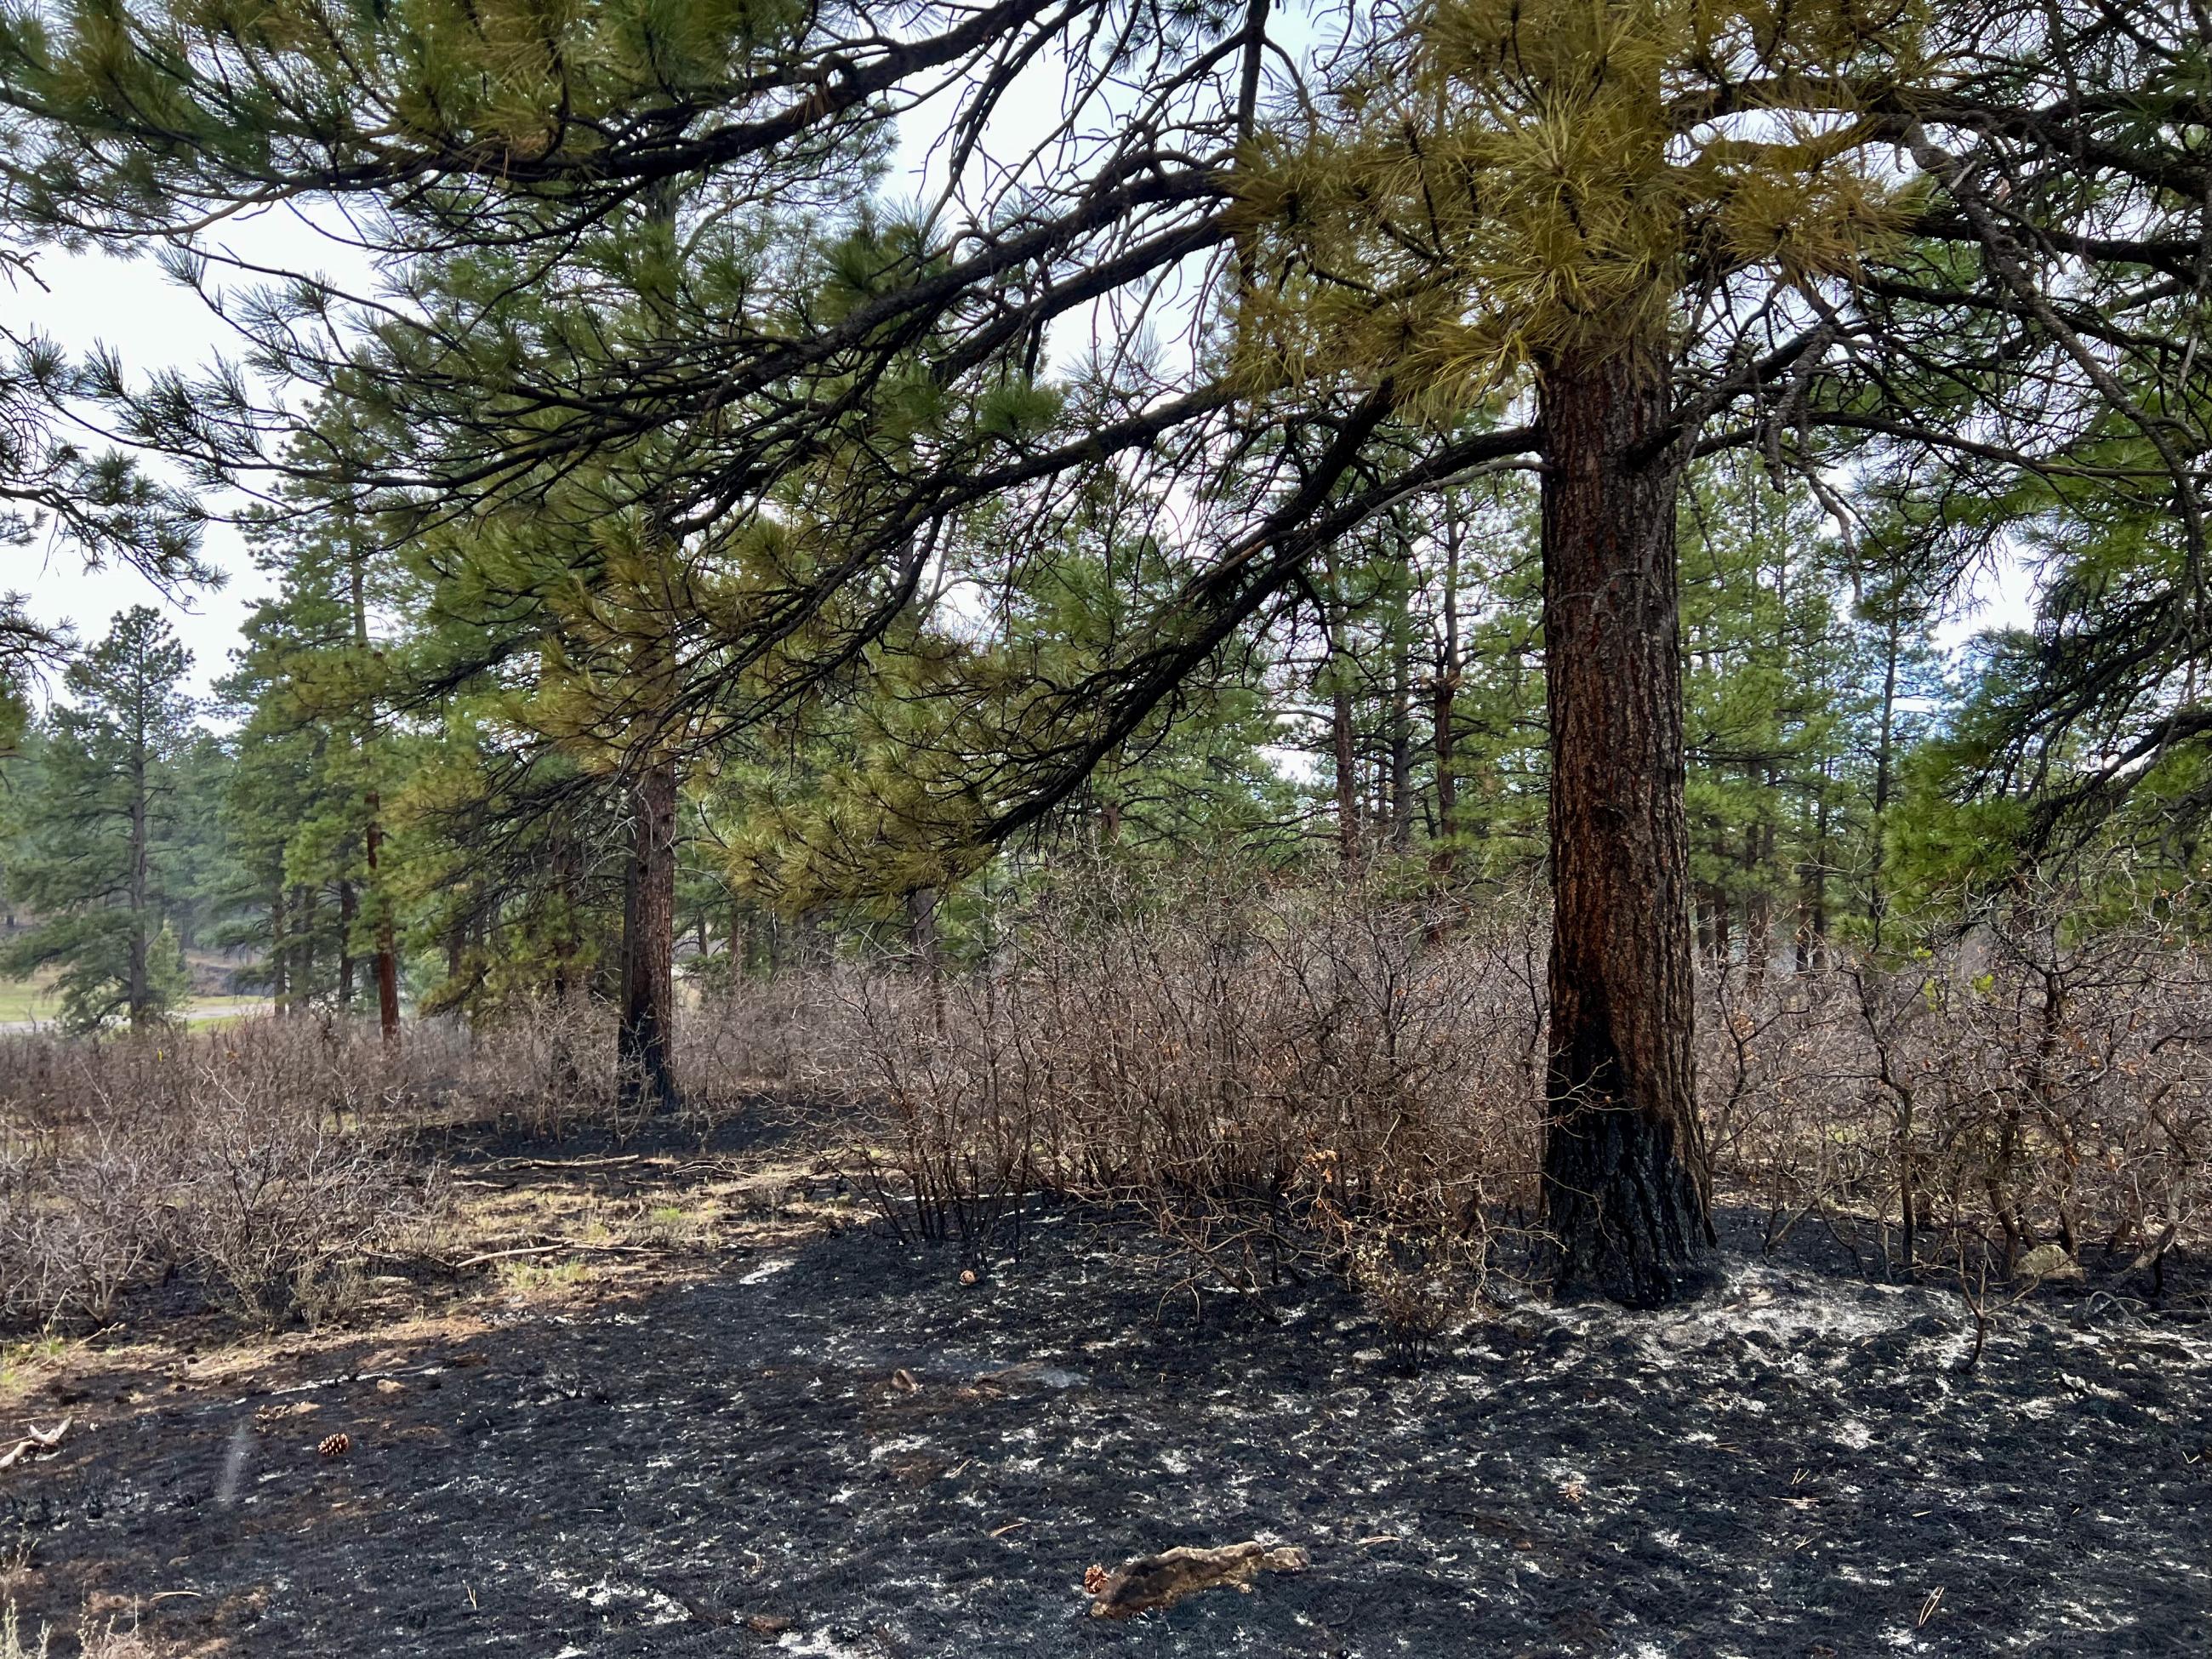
[(826, 1443)]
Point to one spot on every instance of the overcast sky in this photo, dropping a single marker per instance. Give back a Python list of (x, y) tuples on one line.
[(93, 299)]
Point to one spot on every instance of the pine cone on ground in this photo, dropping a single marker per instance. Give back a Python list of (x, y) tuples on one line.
[(336, 1445)]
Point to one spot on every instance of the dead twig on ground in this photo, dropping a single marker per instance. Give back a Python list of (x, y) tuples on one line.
[(36, 1442), (558, 1245)]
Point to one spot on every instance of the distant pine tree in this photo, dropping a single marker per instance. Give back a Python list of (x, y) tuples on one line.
[(95, 858)]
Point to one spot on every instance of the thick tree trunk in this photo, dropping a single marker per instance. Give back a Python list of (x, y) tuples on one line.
[(1624, 1179), (648, 958)]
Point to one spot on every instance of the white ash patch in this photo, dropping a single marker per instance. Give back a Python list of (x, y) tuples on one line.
[(893, 1447), (823, 1644)]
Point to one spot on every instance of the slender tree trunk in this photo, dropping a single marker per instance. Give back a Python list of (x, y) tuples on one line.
[(1724, 940), (1446, 693), (1341, 750), (1817, 955), (387, 954), (349, 910), (1402, 718), (138, 990), (303, 975), (1877, 897), (648, 968), (1758, 901), (1625, 1174), (924, 948), (279, 996)]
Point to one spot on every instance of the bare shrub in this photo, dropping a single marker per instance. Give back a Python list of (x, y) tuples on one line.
[(1295, 1075), (13, 1644), (1282, 1078), (734, 1039), (110, 1639), (285, 1205), (261, 1159), (1293, 1078), (2031, 1081), (545, 1066), (95, 1639)]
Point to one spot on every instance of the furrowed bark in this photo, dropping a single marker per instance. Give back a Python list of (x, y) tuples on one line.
[(1624, 1178)]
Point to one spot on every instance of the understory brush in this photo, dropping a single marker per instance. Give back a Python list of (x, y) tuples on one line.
[(2030, 1092), (261, 1160), (1287, 1079), (1284, 1079), (1295, 1080), (272, 1162)]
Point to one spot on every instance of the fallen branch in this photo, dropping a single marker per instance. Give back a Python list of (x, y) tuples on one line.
[(1162, 1580), (35, 1441), (548, 1250), (558, 1163)]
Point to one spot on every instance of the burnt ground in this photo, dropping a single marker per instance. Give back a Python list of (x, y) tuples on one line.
[(727, 1459)]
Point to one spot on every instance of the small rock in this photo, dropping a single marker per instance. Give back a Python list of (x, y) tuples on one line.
[(2049, 1262)]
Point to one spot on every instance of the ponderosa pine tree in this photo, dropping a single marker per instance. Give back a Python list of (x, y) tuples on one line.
[(1638, 214), (95, 861), (315, 759)]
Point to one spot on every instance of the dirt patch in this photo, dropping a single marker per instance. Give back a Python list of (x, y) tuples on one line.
[(828, 1445)]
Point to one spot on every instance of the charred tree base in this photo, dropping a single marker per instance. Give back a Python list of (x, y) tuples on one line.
[(1628, 1213)]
